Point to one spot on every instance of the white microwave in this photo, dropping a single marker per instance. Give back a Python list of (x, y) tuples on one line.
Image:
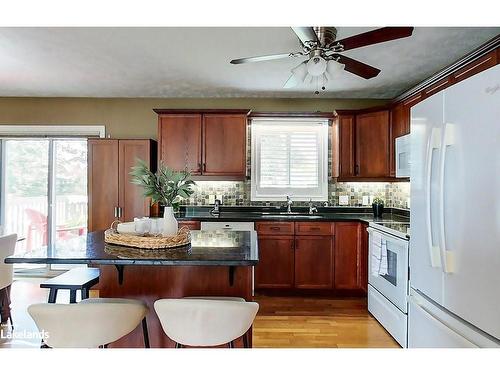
[(402, 156)]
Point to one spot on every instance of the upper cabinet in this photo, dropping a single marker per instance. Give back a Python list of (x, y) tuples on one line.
[(209, 144), (362, 140), (372, 144)]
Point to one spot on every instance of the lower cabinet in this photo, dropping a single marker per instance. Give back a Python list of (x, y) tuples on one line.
[(314, 262), (276, 262), (351, 256), (335, 259)]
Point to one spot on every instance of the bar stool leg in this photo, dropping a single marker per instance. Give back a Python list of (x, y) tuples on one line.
[(85, 293), (245, 340), (52, 295), (145, 333), (178, 346), (72, 296), (230, 344)]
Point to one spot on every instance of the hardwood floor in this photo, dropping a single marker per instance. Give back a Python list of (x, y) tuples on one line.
[(315, 322), (282, 322)]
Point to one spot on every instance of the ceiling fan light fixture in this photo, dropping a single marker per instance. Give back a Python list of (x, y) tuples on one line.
[(316, 66), (333, 68), (300, 72)]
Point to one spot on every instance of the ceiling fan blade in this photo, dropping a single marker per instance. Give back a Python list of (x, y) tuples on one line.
[(265, 58), (357, 67), (376, 36), (305, 34)]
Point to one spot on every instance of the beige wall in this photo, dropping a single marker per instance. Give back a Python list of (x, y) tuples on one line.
[(134, 118)]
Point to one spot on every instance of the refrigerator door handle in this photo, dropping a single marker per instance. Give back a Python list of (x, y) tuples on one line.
[(446, 255), (434, 250)]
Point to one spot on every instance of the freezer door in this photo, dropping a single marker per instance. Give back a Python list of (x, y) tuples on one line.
[(425, 264), (470, 202), (430, 326)]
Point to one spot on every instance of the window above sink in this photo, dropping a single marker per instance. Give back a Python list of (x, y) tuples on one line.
[(289, 157)]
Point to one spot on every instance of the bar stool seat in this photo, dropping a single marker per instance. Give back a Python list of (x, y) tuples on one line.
[(209, 321), (92, 323), (75, 279)]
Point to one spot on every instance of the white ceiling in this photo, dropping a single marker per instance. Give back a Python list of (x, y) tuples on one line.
[(194, 62)]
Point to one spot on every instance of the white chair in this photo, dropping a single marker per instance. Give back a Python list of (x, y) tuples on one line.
[(92, 323), (7, 247), (208, 321)]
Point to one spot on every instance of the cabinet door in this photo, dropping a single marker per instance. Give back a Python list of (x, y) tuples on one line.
[(179, 138), (348, 256), (400, 125), (276, 262), (131, 198), (224, 151), (372, 144), (102, 183), (346, 145), (313, 262)]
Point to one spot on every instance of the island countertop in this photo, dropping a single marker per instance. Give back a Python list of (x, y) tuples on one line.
[(208, 248)]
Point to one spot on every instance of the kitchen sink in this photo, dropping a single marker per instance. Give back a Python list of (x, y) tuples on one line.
[(292, 215)]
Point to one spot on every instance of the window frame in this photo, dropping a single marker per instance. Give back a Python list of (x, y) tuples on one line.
[(319, 193)]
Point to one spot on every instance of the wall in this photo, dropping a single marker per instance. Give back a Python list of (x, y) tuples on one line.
[(134, 117)]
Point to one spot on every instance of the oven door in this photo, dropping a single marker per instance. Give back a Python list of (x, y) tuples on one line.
[(388, 267)]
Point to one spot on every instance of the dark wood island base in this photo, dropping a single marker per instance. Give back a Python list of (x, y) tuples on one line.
[(150, 283)]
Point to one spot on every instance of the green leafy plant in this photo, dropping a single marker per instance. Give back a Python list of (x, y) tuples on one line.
[(165, 186), (378, 201)]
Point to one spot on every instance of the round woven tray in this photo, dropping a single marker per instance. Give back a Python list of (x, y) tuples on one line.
[(182, 238)]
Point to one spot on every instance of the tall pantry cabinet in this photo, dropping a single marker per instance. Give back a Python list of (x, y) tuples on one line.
[(111, 194)]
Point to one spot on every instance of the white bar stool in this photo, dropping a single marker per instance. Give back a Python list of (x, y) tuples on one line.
[(206, 321), (92, 323), (7, 247)]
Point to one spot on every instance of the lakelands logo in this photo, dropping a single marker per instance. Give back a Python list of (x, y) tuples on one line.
[(24, 334)]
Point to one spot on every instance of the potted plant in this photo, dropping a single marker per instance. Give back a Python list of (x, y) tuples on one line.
[(378, 207), (166, 186)]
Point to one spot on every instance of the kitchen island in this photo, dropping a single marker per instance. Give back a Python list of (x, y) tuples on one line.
[(217, 263)]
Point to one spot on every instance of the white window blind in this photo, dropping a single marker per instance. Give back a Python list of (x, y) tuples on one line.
[(289, 157)]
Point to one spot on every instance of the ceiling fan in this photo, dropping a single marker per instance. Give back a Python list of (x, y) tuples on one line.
[(324, 57)]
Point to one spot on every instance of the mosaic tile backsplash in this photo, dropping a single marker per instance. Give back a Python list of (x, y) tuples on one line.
[(237, 193)]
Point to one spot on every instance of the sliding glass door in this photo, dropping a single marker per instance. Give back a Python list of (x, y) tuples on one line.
[(44, 192)]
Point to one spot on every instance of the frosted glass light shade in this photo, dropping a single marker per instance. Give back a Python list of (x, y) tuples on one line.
[(333, 68), (316, 66)]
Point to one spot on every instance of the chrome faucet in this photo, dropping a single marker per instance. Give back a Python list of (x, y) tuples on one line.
[(312, 208), (289, 203), (216, 209)]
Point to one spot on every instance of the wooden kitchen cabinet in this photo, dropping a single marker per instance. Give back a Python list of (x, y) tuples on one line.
[(276, 262), (209, 144), (224, 144), (400, 125), (102, 183), (314, 262), (372, 144), (111, 194), (350, 256), (179, 137), (346, 143)]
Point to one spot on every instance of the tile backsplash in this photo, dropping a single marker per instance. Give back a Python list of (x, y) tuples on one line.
[(237, 193)]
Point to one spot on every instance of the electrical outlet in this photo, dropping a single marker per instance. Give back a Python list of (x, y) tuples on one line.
[(343, 200), (366, 200), (408, 203), (372, 197), (211, 199)]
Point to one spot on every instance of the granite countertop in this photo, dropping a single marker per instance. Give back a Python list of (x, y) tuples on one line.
[(238, 213), (208, 248)]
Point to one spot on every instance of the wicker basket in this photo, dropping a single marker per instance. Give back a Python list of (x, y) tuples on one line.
[(182, 238)]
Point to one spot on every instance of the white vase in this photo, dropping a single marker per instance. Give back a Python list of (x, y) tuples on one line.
[(169, 222)]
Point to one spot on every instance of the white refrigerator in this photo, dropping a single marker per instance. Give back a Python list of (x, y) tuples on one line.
[(455, 217)]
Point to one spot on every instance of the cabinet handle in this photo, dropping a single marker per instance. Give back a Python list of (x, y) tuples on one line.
[(120, 211), (275, 228), (199, 167), (115, 212), (315, 228), (204, 167), (356, 170)]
